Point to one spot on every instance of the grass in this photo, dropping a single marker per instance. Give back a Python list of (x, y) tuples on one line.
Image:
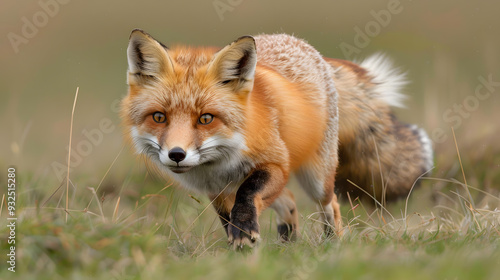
[(141, 227), (144, 229), (128, 225)]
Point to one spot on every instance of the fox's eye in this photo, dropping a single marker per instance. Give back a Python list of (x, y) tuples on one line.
[(206, 119), (159, 117)]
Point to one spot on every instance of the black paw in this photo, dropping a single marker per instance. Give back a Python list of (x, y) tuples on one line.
[(287, 232), (244, 227)]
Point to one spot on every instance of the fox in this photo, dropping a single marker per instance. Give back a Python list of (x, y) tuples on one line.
[(236, 122)]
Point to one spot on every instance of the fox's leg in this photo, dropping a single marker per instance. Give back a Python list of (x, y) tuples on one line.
[(337, 217), (331, 207), (321, 190), (288, 218), (257, 193), (223, 203), (331, 216)]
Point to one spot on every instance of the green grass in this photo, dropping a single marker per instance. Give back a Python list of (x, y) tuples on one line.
[(143, 229), (135, 226)]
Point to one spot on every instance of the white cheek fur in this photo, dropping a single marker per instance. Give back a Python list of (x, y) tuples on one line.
[(237, 142), (228, 167), (142, 140)]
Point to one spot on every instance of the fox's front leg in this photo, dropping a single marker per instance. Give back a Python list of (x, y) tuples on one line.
[(258, 191)]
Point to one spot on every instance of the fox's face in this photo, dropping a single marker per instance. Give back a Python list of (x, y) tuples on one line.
[(186, 107)]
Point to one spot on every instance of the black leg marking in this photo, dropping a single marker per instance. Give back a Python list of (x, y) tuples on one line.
[(221, 209), (244, 224), (286, 232), (329, 231)]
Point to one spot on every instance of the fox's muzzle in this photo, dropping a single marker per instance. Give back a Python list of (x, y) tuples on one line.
[(177, 154)]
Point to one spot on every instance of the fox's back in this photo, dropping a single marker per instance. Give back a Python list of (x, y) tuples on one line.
[(308, 106), (297, 61)]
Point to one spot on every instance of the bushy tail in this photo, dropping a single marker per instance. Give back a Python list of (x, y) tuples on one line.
[(377, 152), (388, 81)]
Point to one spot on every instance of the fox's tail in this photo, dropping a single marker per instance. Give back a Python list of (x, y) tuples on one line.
[(377, 152)]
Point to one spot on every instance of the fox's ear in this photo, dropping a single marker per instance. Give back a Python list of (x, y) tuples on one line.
[(146, 56), (234, 65)]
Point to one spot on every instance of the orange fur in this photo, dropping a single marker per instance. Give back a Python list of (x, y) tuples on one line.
[(272, 105), (296, 116)]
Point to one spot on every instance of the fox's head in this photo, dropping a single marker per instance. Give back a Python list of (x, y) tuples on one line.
[(185, 106)]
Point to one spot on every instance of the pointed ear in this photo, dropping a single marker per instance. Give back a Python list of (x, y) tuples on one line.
[(235, 64), (146, 56)]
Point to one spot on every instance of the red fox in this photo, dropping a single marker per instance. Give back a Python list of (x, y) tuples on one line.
[(236, 122)]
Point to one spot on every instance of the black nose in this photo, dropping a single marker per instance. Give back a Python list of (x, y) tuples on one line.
[(177, 154)]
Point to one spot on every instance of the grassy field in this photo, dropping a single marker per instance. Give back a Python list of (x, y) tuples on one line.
[(158, 232), (124, 223)]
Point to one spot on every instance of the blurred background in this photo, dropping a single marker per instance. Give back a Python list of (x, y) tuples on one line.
[(135, 223), (49, 48)]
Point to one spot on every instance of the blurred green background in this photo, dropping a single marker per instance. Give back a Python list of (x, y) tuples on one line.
[(444, 45), (51, 47)]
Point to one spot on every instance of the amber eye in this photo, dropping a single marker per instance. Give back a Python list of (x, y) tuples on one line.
[(159, 117), (206, 119)]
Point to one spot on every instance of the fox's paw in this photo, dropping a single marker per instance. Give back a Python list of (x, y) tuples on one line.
[(287, 232), (243, 229), (243, 234)]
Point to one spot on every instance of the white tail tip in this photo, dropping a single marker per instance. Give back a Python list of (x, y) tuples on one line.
[(388, 80)]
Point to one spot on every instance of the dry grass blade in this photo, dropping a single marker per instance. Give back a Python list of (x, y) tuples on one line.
[(1, 204), (384, 186), (69, 152), (137, 206), (372, 197), (52, 195), (484, 192), (202, 253), (105, 174), (462, 167), (115, 212), (205, 209), (100, 207), (411, 190)]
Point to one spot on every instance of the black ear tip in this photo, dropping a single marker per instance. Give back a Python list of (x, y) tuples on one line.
[(138, 31), (246, 37), (141, 33)]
